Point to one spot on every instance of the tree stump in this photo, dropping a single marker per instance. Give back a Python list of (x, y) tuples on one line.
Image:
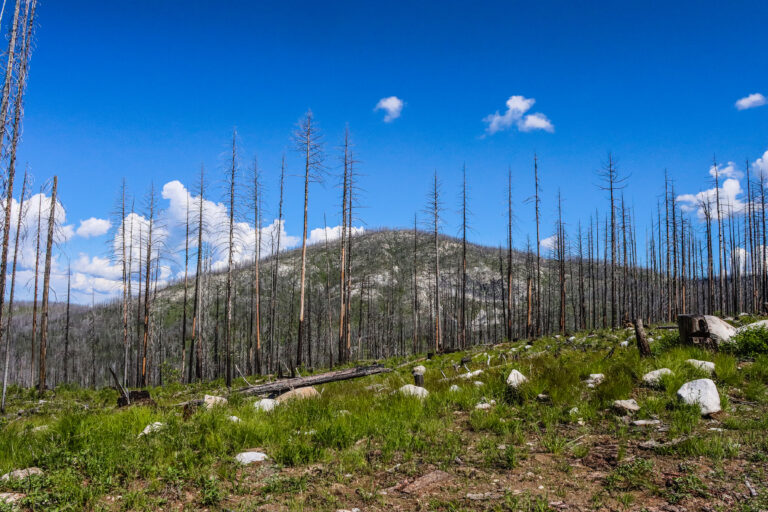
[(694, 330)]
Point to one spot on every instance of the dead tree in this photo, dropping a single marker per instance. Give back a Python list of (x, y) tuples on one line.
[(308, 143), (47, 288)]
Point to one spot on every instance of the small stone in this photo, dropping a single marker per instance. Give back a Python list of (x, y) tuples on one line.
[(246, 458), (516, 379), (645, 423), (417, 391), (234, 419), (626, 405), (653, 378), (301, 393), (471, 375), (21, 473), (528, 347), (212, 401), (265, 404), (706, 366), (479, 384), (483, 406), (9, 498), (152, 427), (624, 344), (701, 392), (454, 388), (594, 380)]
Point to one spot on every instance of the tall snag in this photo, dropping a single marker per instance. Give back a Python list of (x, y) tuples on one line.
[(47, 288)]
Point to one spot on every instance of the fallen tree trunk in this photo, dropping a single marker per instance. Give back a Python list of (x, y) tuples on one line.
[(281, 386)]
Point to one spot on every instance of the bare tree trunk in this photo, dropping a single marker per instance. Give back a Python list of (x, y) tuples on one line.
[(230, 255), (147, 277), (196, 347), (47, 288), (19, 222)]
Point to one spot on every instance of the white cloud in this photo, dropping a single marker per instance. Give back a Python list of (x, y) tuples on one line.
[(726, 171), (93, 227), (96, 266), (729, 200), (515, 115), (751, 101), (392, 105), (761, 164), (318, 235), (549, 242)]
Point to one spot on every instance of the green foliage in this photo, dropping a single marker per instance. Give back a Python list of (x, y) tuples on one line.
[(635, 475), (749, 342)]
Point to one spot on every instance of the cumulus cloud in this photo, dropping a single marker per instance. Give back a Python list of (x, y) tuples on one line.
[(761, 164), (515, 115), (392, 105), (751, 101), (549, 242), (730, 201), (93, 227), (726, 171), (318, 235)]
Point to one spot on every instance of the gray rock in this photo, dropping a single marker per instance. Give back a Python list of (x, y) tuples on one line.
[(265, 404), (701, 392), (417, 391), (654, 378), (19, 474), (706, 366), (516, 379), (626, 405), (246, 458), (594, 379)]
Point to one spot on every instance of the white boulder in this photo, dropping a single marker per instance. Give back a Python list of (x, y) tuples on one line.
[(719, 329), (701, 392), (516, 379), (654, 378), (706, 366), (471, 375), (246, 458), (626, 405), (594, 379), (753, 325), (300, 393), (212, 401), (152, 427), (19, 474), (265, 404), (417, 391)]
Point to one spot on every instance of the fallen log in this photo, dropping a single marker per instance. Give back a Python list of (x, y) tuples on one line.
[(281, 386)]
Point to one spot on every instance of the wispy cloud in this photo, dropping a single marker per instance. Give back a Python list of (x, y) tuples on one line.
[(515, 115), (751, 101), (392, 105)]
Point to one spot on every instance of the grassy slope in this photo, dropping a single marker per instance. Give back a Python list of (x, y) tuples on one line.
[(359, 439)]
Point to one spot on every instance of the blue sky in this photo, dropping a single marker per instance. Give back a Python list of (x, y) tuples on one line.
[(149, 91)]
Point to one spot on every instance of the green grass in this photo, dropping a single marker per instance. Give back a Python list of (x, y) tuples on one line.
[(91, 452)]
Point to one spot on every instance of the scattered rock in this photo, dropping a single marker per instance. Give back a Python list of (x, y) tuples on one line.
[(483, 406), (572, 339), (246, 458), (9, 498), (21, 473), (645, 423), (624, 344), (418, 370), (626, 405), (471, 375), (454, 388), (706, 366), (528, 347), (348, 510), (234, 419), (653, 378), (516, 379), (481, 496), (212, 401), (417, 391), (594, 379), (308, 392), (542, 397), (754, 325), (574, 411), (424, 482), (701, 392), (479, 384), (152, 427), (265, 404)]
